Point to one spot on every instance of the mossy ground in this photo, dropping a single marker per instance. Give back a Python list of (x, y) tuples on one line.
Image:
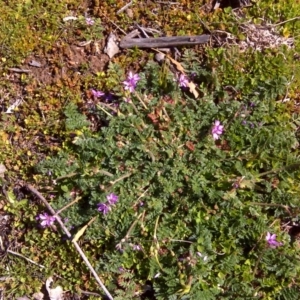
[(35, 31)]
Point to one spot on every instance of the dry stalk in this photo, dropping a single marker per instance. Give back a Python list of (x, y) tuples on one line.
[(60, 222)]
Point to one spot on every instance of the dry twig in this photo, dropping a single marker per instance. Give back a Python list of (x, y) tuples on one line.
[(124, 7), (18, 70), (28, 259), (163, 42), (60, 222)]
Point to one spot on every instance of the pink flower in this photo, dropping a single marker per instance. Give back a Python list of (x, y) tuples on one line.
[(104, 208), (89, 21), (131, 82), (97, 94), (45, 219), (217, 130), (112, 198), (136, 247), (271, 240), (183, 81)]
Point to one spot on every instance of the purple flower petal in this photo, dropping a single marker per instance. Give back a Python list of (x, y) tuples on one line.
[(271, 240), (183, 81), (217, 130), (104, 208), (97, 94), (89, 21), (131, 82), (136, 247), (46, 220), (112, 198)]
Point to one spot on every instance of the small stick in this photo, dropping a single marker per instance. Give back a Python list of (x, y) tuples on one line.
[(110, 115), (204, 25), (127, 236), (143, 194), (124, 7), (132, 34), (157, 247), (292, 166), (120, 178), (43, 267), (28, 259), (163, 42), (134, 107), (105, 173), (283, 22), (90, 293), (118, 26), (17, 70), (66, 176), (142, 30), (143, 103), (181, 241), (40, 196), (108, 106), (150, 30), (167, 3), (68, 205)]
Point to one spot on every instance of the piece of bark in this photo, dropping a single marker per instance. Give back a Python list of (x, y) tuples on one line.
[(163, 42)]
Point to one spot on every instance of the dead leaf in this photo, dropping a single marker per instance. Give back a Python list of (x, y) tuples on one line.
[(82, 230), (247, 184), (192, 88), (56, 293), (178, 65), (190, 145), (180, 68), (111, 48)]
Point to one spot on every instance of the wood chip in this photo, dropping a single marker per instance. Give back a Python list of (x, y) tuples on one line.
[(112, 47)]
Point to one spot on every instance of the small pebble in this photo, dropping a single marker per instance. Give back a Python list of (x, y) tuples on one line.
[(160, 57)]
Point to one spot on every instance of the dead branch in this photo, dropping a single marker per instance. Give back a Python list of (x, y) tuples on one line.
[(60, 222), (164, 42)]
